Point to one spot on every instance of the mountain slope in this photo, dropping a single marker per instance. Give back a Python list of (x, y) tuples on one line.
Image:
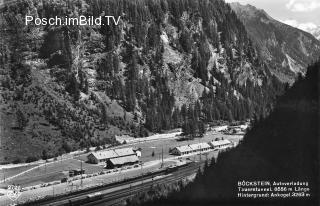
[(286, 49), (167, 64), (282, 147), (315, 32)]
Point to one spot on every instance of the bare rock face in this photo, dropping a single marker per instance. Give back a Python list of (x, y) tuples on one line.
[(286, 49)]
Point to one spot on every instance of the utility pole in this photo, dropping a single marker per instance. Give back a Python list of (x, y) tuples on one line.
[(162, 157), (200, 152), (141, 173), (81, 173), (4, 175)]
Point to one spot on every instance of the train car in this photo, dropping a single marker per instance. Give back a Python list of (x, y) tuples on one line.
[(171, 169), (94, 196)]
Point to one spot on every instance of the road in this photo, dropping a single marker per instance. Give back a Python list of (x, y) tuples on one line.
[(114, 193)]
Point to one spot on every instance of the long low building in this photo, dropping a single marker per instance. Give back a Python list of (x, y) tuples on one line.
[(101, 156), (122, 161), (187, 149), (125, 152), (104, 155), (220, 144), (201, 147)]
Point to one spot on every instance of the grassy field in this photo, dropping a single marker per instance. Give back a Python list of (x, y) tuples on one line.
[(51, 172), (9, 172), (156, 147), (150, 151)]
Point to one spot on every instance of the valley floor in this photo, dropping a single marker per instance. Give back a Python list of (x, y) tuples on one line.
[(35, 179)]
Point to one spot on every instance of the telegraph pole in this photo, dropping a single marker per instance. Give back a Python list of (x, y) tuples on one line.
[(200, 153), (4, 175), (81, 173), (162, 157), (141, 173)]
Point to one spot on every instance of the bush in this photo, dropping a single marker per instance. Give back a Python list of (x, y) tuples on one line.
[(31, 159), (66, 147), (17, 160)]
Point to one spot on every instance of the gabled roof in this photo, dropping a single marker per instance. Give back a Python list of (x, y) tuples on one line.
[(123, 160), (106, 154), (124, 151), (220, 142), (201, 145), (184, 148)]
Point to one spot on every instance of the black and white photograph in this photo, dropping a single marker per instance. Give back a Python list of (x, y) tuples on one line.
[(159, 102)]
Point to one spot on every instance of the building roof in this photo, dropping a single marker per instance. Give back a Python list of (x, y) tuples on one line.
[(124, 151), (123, 160), (109, 154), (201, 145), (184, 148), (220, 142), (106, 154)]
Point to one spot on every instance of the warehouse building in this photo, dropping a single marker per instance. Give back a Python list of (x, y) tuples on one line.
[(101, 157), (122, 161), (125, 152)]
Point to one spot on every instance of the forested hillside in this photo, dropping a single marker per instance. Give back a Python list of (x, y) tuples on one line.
[(282, 147), (167, 64)]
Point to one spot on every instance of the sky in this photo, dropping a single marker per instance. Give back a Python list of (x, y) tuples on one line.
[(303, 14)]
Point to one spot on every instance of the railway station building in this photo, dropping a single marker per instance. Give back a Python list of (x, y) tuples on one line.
[(220, 144), (200, 147), (181, 150)]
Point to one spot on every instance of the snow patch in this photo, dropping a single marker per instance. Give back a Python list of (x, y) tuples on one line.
[(164, 38)]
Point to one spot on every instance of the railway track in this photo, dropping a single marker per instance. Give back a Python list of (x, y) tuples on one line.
[(114, 196), (118, 196)]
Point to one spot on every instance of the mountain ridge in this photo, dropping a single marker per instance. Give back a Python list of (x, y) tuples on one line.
[(289, 50)]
